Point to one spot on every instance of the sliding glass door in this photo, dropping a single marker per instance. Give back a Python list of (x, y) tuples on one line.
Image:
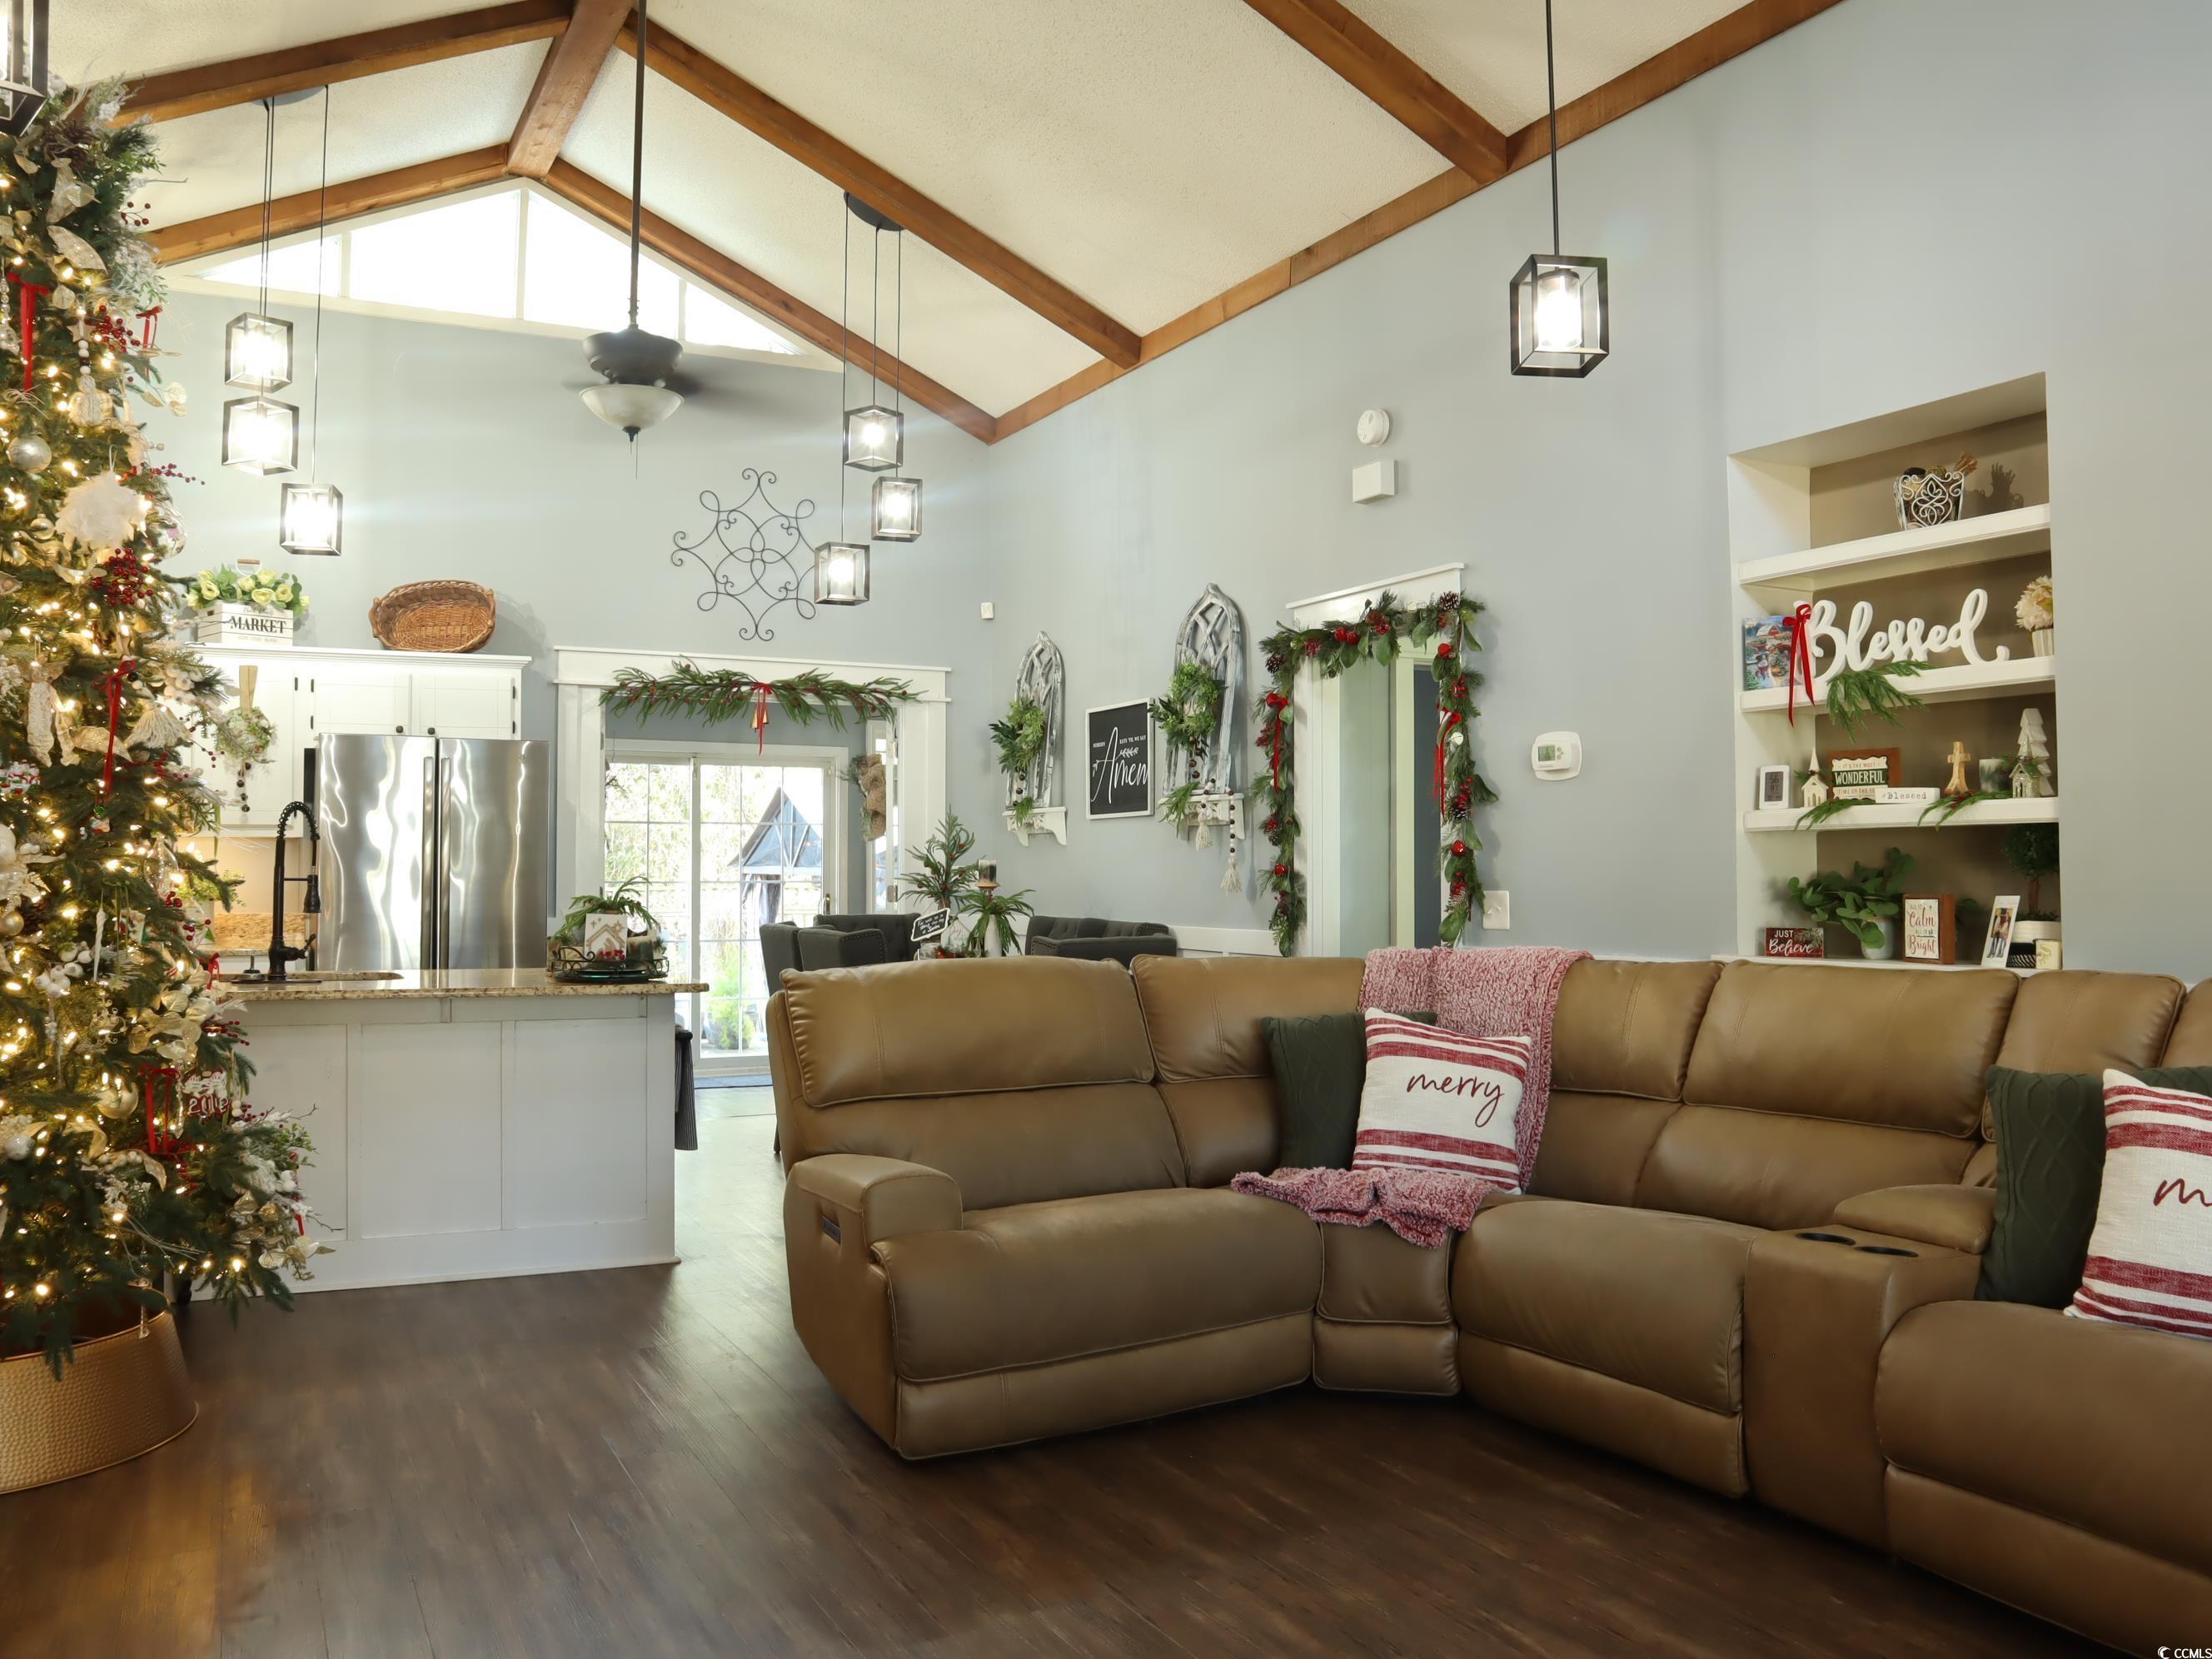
[(725, 839)]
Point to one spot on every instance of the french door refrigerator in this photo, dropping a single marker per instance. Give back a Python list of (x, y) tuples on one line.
[(436, 851)]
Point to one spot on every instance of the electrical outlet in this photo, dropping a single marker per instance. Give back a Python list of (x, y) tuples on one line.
[(1496, 910)]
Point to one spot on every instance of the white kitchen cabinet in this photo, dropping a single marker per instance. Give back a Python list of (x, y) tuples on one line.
[(310, 694)]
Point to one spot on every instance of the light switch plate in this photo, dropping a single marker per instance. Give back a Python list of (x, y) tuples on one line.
[(990, 611), (1496, 910)]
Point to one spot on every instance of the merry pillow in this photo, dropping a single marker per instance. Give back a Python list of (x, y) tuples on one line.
[(1441, 1100), (2150, 1257)]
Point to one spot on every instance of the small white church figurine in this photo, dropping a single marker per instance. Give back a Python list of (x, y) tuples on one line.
[(2032, 778)]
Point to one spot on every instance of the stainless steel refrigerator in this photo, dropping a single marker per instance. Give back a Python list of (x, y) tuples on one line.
[(435, 852)]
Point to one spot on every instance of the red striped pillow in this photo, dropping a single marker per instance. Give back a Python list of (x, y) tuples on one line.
[(1441, 1100), (2150, 1256)]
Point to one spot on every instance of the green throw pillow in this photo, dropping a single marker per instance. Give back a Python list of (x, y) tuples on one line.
[(1321, 1065), (2051, 1167)]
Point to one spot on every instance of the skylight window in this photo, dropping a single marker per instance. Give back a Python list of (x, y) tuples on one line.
[(509, 256)]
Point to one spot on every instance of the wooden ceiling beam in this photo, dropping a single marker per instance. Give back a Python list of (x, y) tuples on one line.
[(1709, 48), (723, 90), (717, 269), (565, 79), (1419, 102), (241, 227), (298, 68)]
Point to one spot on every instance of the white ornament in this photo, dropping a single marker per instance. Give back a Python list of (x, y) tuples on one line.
[(39, 711), (2031, 776), (157, 728), (102, 513), (30, 452), (1815, 792), (1907, 639)]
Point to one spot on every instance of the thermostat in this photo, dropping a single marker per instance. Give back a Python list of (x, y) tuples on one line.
[(1557, 757)]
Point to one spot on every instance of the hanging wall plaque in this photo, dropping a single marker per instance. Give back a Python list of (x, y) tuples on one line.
[(1119, 746)]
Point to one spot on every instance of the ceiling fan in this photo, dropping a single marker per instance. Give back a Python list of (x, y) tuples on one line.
[(639, 385)]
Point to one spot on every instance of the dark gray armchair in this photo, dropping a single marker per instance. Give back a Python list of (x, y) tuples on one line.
[(778, 950), (1093, 939), (833, 947), (896, 928)]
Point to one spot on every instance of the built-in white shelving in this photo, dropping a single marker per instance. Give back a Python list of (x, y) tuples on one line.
[(1875, 815), (2013, 677), (1985, 540)]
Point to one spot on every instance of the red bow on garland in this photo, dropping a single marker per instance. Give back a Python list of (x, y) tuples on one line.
[(762, 690), (1444, 729)]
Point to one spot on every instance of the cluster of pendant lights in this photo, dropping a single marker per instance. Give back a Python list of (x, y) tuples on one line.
[(875, 432), (1561, 326), (261, 432), (23, 62)]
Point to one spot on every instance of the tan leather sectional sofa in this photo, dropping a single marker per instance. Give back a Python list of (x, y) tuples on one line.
[(1748, 1258)]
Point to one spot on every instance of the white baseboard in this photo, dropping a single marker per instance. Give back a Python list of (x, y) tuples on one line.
[(1226, 942)]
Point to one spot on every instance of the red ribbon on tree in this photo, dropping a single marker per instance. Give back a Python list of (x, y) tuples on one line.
[(157, 1092), (762, 690), (1801, 650), (115, 679), (33, 293), (1444, 729), (149, 318)]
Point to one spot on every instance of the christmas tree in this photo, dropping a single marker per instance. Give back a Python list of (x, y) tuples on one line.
[(129, 1159)]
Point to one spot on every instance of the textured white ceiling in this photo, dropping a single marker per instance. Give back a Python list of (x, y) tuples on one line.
[(707, 175), (1147, 153), (1491, 53), (212, 162), (97, 38)]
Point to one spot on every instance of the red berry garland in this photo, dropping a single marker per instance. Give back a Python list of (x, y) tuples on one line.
[(123, 581)]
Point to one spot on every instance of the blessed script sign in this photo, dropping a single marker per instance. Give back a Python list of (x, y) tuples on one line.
[(1120, 754)]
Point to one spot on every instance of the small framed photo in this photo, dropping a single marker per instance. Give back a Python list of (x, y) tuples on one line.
[(1932, 928), (1773, 787), (1996, 949), (2050, 954)]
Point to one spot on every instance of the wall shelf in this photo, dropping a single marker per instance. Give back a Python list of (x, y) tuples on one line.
[(1985, 540), (2014, 676), (1042, 821), (2044, 810)]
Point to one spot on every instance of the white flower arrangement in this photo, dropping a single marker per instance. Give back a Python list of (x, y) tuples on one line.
[(263, 590), (2035, 609)]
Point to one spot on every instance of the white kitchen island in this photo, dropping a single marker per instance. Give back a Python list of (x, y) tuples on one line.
[(474, 1123)]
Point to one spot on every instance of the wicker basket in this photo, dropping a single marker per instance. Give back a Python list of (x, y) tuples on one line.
[(248, 930), (440, 616)]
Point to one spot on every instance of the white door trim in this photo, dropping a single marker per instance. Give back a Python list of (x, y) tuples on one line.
[(580, 673), (1317, 783)]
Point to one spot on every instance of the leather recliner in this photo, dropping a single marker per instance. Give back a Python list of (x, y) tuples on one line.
[(1747, 1257)]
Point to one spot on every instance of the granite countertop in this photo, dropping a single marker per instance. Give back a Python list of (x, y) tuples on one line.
[(440, 982)]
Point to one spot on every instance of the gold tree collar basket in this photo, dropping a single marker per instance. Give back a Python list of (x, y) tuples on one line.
[(438, 616)]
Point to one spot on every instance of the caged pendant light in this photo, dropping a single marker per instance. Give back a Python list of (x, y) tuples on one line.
[(1561, 325), (23, 82), (894, 502), (312, 516), (260, 434)]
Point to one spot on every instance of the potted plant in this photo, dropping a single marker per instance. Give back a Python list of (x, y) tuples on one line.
[(2035, 614), (1865, 903), (990, 914), (1019, 737), (2031, 850), (248, 606), (943, 869)]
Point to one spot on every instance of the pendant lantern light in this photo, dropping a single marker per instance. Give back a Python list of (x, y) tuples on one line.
[(312, 514), (257, 347), (1561, 324), (875, 433), (635, 363), (260, 434), (23, 62), (840, 573)]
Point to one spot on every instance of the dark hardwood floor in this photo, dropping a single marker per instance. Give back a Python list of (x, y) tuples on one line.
[(645, 1462)]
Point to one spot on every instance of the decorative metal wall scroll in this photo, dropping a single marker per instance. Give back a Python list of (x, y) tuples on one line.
[(754, 555)]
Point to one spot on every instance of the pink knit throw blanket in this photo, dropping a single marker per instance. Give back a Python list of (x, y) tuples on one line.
[(1504, 993), (1422, 1207)]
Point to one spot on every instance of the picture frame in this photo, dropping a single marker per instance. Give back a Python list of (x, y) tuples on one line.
[(1773, 788), (1796, 943), (1930, 924), (1118, 755), (1864, 774), (2049, 955), (1996, 948)]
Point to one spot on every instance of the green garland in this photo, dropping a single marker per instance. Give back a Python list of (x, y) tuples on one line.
[(1190, 713), (1446, 628), (1858, 695), (717, 694)]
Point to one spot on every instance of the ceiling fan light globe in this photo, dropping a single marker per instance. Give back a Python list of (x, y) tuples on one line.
[(631, 407)]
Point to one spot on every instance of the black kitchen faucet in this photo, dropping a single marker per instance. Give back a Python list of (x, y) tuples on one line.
[(279, 952)]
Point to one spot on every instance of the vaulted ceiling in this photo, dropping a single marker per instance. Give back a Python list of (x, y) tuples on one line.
[(1086, 187)]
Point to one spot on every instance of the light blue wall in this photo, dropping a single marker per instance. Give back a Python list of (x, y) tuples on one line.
[(1893, 202)]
